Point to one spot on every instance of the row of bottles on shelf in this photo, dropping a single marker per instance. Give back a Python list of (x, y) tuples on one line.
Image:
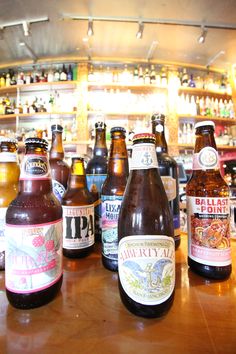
[(59, 73), (205, 106), (224, 136)]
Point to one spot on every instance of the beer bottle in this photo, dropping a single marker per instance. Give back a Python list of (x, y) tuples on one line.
[(34, 233), (9, 176), (96, 172), (146, 251), (168, 170), (112, 195), (208, 211), (59, 168), (78, 213)]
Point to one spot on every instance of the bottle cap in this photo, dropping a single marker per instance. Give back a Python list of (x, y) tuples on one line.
[(56, 128), (100, 125), (204, 123), (5, 139), (141, 136), (118, 129), (158, 116), (77, 157), (36, 141)]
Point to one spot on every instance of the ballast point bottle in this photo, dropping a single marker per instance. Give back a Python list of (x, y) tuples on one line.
[(209, 252), (146, 251), (33, 233)]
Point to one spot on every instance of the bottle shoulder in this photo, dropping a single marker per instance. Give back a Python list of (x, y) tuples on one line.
[(164, 158), (77, 197), (207, 183), (97, 165)]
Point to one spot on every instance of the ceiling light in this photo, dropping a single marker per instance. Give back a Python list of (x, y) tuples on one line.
[(26, 27), (90, 28), (202, 37), (139, 34)]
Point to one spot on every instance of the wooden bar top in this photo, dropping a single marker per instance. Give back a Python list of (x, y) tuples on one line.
[(88, 316)]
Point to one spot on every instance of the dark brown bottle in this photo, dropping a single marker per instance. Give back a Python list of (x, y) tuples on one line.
[(59, 168), (146, 252), (96, 172), (33, 253), (78, 213), (168, 170), (112, 195), (208, 209)]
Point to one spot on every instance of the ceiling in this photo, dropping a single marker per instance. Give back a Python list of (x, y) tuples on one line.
[(58, 39)]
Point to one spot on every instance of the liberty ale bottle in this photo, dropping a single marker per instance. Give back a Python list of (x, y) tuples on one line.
[(168, 170), (34, 233), (208, 210), (112, 195), (59, 168), (78, 213), (96, 172), (9, 178), (146, 251)]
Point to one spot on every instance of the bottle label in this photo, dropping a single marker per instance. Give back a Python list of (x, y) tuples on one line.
[(8, 157), (2, 228), (206, 159), (34, 167), (170, 186), (78, 226), (146, 266), (143, 157), (110, 213), (33, 256), (208, 230), (58, 189)]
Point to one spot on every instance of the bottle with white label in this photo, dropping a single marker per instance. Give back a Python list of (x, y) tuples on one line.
[(112, 195), (208, 209), (146, 251), (9, 177), (33, 233), (78, 213), (168, 170)]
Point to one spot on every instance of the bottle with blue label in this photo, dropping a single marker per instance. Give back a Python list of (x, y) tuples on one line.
[(112, 195), (59, 168)]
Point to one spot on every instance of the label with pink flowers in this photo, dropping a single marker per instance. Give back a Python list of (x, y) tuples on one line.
[(33, 256)]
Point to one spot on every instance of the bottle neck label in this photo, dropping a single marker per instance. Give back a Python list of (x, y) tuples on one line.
[(35, 167), (58, 189), (209, 231), (206, 159), (8, 157), (149, 261), (143, 157)]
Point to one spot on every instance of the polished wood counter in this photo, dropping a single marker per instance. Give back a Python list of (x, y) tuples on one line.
[(88, 316)]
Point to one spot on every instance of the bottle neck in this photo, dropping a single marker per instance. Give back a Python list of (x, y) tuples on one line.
[(77, 179), (118, 160), (100, 147), (57, 150), (204, 139), (158, 129)]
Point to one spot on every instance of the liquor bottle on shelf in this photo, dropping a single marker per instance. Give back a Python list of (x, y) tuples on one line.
[(96, 172), (63, 73), (33, 253), (209, 252), (112, 195), (78, 213), (153, 75), (185, 79), (191, 82), (70, 73), (168, 170), (146, 251)]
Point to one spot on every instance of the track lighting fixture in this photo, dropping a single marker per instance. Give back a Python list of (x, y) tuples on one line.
[(26, 27), (90, 28), (139, 34), (202, 37)]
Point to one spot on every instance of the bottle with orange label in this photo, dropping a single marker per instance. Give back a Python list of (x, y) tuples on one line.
[(209, 252)]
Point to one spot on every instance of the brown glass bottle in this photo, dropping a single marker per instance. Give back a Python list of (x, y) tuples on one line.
[(9, 177), (146, 251), (168, 170), (208, 212), (33, 253), (78, 213), (112, 195), (96, 172), (59, 168)]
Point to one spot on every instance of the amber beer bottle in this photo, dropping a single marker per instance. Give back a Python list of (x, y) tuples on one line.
[(34, 233), (168, 170), (209, 252), (59, 168), (146, 251), (9, 177), (78, 213), (112, 195), (96, 172)]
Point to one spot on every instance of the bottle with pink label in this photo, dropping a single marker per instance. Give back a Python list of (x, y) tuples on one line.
[(209, 252), (34, 233)]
